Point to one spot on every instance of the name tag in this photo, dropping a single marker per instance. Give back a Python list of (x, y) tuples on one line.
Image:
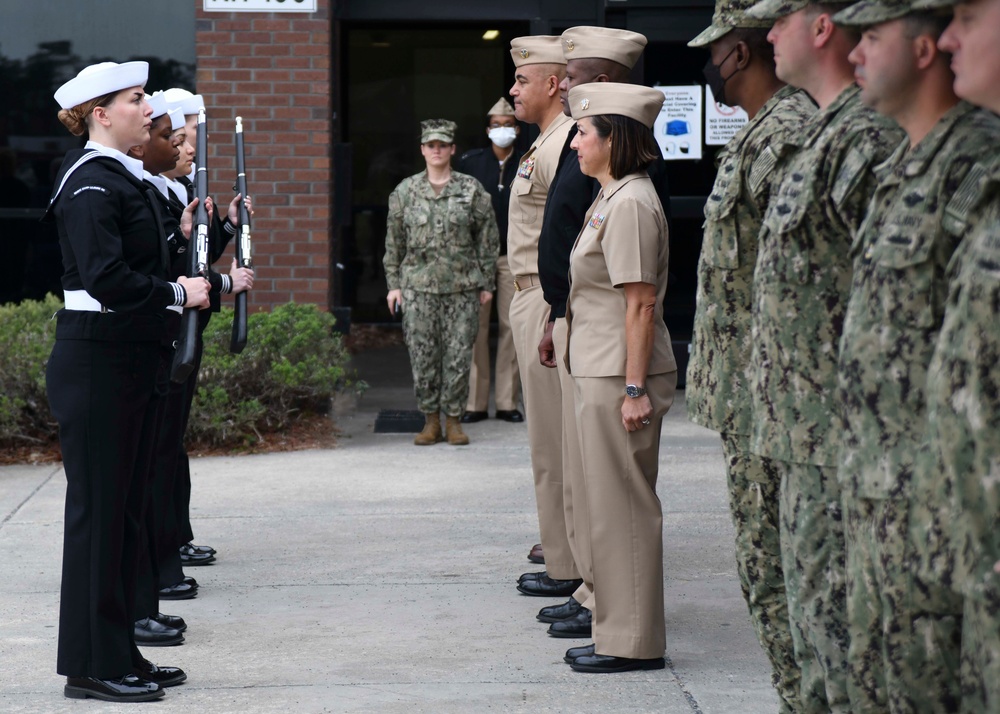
[(596, 220)]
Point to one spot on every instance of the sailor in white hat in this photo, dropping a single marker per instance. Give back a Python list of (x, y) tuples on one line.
[(101, 377)]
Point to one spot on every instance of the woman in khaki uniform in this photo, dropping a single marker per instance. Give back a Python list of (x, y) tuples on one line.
[(623, 370)]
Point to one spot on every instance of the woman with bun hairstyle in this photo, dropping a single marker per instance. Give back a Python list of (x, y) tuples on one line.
[(102, 377), (623, 371)]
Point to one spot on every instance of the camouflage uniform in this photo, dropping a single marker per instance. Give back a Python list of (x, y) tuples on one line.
[(801, 283), (441, 250), (904, 630), (718, 372), (963, 407)]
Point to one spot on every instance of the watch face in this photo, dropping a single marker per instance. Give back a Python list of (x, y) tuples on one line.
[(632, 391)]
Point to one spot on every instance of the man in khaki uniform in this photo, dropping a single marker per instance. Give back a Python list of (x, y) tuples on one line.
[(741, 72), (593, 54), (801, 284), (540, 68)]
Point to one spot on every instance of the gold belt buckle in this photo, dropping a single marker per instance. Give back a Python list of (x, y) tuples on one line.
[(516, 286)]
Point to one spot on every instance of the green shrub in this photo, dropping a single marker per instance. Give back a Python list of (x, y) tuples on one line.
[(293, 365), (27, 332)]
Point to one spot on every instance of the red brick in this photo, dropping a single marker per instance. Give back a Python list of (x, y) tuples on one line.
[(311, 175), (313, 248), (273, 100), (291, 260), (214, 62), (312, 75), (291, 137), (256, 62), (291, 38), (292, 162), (213, 38), (272, 25), (207, 88), (252, 87), (310, 224), (315, 273), (309, 50), (233, 25), (306, 199), (232, 75), (273, 50), (272, 75), (293, 62), (293, 113), (286, 284)]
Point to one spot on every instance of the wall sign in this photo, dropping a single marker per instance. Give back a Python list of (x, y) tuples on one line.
[(721, 121), (260, 5), (678, 128)]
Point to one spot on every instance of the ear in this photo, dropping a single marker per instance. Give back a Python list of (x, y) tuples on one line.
[(925, 51), (101, 116), (822, 30), (602, 78), (553, 85), (742, 55), (137, 152)]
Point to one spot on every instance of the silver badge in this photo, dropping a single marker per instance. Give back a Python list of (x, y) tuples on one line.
[(584, 104)]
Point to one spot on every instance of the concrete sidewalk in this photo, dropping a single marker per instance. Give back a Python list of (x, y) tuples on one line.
[(379, 577)]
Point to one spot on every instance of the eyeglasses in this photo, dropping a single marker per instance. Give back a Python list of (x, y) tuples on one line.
[(494, 125)]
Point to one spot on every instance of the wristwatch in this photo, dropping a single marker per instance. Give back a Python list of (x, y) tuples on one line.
[(634, 392)]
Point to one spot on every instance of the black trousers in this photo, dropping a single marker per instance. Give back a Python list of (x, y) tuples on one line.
[(182, 481), (103, 395)]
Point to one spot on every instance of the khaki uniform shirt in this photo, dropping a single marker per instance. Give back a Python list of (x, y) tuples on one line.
[(897, 301), (803, 277), (535, 173), (963, 387), (441, 243), (718, 378), (624, 241)]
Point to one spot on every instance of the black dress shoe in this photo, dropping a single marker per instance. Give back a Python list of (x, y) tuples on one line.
[(537, 555), (184, 590), (473, 417), (171, 621), (150, 633), (127, 689), (548, 587), (532, 576), (555, 613), (604, 664), (190, 555), (573, 652), (164, 676), (577, 626), (201, 548), (511, 415)]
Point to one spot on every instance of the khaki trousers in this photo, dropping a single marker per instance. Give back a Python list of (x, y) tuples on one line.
[(529, 314), (626, 520), (574, 487), (507, 384)]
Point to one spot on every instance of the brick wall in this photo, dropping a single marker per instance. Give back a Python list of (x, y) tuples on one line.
[(273, 69)]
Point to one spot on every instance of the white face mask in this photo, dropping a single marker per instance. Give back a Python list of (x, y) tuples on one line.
[(503, 136)]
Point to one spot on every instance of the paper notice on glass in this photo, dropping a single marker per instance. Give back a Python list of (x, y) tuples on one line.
[(721, 121), (678, 128)]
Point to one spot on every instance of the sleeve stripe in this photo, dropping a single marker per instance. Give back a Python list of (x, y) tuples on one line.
[(180, 294), (227, 284)]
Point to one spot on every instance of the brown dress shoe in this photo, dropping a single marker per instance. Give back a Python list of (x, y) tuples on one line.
[(432, 431), (536, 555), (453, 430)]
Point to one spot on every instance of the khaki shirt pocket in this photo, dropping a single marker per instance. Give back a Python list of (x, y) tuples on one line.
[(523, 208)]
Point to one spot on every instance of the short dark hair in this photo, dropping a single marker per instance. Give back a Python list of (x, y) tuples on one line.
[(756, 39), (633, 147), (926, 23)]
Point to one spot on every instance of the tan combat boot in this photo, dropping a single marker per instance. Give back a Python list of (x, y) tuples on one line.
[(453, 428), (432, 431)]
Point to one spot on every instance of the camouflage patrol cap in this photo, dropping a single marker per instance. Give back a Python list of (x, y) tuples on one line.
[(437, 130), (775, 9), (932, 5), (729, 15), (873, 12)]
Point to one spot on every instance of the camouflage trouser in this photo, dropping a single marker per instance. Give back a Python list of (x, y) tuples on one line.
[(753, 503), (812, 555), (981, 646), (905, 632), (440, 331)]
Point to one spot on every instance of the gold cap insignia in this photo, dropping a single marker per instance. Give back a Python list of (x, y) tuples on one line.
[(584, 104), (569, 45), (524, 54)]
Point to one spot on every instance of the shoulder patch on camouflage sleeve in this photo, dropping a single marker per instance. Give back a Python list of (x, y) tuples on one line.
[(761, 168), (851, 172), (970, 192)]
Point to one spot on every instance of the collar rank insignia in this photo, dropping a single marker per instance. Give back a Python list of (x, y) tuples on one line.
[(596, 220), (584, 104), (526, 168)]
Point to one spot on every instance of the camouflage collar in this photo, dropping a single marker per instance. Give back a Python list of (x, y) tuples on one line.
[(824, 117), (924, 153)]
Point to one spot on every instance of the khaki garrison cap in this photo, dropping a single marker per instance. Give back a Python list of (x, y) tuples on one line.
[(536, 49), (873, 12), (775, 9), (437, 130), (729, 15), (606, 43), (501, 109), (630, 100)]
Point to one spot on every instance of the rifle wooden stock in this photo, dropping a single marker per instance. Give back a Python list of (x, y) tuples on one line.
[(244, 257), (187, 346)]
